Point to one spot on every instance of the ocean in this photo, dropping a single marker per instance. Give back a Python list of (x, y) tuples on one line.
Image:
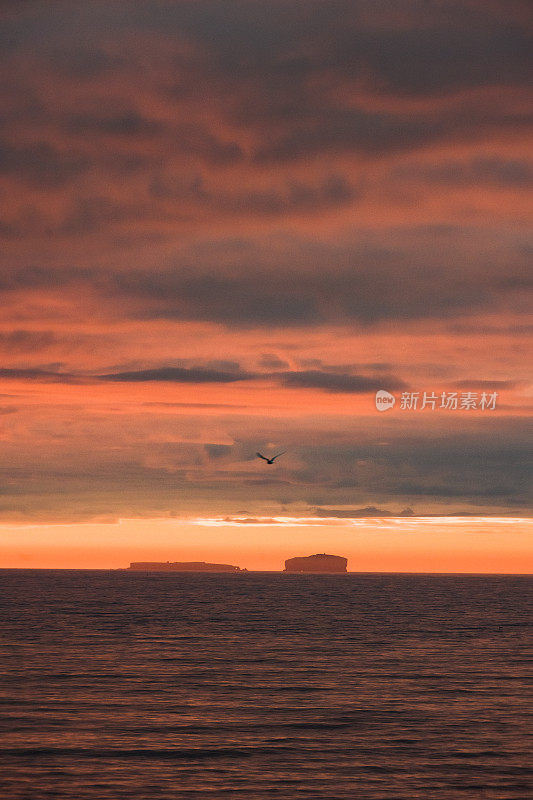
[(263, 685)]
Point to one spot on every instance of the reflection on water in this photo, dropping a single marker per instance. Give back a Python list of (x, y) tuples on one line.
[(120, 685)]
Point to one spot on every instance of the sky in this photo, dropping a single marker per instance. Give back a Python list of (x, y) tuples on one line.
[(226, 226)]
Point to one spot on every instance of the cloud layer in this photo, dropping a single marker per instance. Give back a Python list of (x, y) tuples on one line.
[(227, 225)]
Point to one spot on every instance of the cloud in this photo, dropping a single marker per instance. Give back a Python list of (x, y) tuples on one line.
[(177, 375), (340, 382), (24, 341), (312, 196), (413, 49), (257, 83), (33, 278), (389, 274), (272, 361), (306, 379), (218, 451), (129, 124), (355, 513), (379, 133), (375, 288), (252, 520), (40, 164), (42, 375), (338, 466), (487, 171)]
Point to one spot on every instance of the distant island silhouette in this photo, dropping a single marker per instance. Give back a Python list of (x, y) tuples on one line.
[(182, 566), (320, 562)]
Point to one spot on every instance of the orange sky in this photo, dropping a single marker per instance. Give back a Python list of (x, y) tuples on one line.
[(226, 226), (499, 545)]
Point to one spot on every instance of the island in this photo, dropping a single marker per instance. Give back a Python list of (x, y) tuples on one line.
[(320, 562), (181, 566)]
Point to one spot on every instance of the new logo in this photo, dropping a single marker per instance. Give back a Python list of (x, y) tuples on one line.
[(384, 400)]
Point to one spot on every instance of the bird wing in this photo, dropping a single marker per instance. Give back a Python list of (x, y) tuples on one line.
[(278, 455), (260, 456)]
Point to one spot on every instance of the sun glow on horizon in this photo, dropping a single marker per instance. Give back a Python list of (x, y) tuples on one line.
[(391, 544)]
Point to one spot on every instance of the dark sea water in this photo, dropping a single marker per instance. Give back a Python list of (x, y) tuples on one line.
[(117, 685)]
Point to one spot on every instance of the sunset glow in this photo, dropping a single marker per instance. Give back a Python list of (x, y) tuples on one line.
[(227, 226), (438, 544)]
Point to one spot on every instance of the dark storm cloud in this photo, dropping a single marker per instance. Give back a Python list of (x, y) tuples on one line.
[(270, 361), (165, 116), (34, 277), (368, 292), (263, 131), (41, 375), (218, 451), (295, 196), (193, 375), (189, 200), (414, 281), (355, 513), (175, 138), (225, 365), (129, 123), (375, 133), (84, 63), (482, 467), (41, 164), (434, 58), (252, 299), (490, 330), (411, 47), (517, 282), (487, 491), (317, 363), (478, 171), (340, 382), (88, 214), (373, 512), (22, 341), (252, 520), (274, 68), (476, 462), (178, 375), (311, 379), (487, 463)]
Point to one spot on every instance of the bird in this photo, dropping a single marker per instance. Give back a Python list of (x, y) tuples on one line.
[(270, 460)]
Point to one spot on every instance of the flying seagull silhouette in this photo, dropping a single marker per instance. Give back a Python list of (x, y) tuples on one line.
[(270, 460)]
